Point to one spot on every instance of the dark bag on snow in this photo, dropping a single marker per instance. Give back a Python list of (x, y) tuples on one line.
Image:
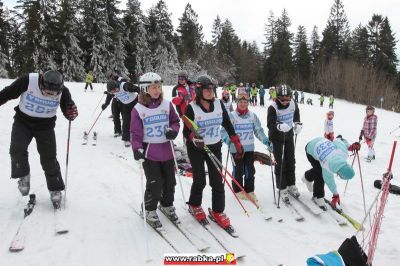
[(392, 188), (352, 253)]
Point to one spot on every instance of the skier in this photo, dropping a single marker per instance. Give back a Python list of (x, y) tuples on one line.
[(247, 125), (233, 89), (368, 131), (226, 101), (296, 96), (309, 101), (35, 117), (327, 158), (262, 94), (321, 100), (254, 92), (331, 100), (328, 126), (89, 80), (241, 88), (283, 121), (126, 93), (209, 114), (272, 93), (183, 93), (154, 124), (302, 97)]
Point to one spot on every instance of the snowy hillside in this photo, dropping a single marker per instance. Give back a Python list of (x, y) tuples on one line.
[(103, 189)]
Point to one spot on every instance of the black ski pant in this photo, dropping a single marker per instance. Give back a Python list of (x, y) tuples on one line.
[(197, 158), (160, 184), (116, 110), (261, 100), (288, 163), (244, 167), (126, 120), (315, 175), (88, 84), (21, 137)]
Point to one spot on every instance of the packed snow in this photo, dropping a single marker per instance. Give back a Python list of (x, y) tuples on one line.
[(104, 186)]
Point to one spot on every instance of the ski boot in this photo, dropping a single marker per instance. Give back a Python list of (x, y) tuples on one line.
[(321, 203), (223, 221), (253, 196), (153, 220), (198, 213), (170, 213), (117, 134), (294, 191), (309, 184), (127, 144), (55, 197), (285, 195), (24, 184), (241, 195)]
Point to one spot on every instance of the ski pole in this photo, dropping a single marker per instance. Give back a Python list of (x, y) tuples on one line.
[(143, 209), (95, 121), (280, 174), (97, 106), (66, 164), (362, 182), (226, 163), (295, 141), (352, 163), (176, 172), (272, 176)]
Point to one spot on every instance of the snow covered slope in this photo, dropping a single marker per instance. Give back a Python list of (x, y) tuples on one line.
[(103, 189)]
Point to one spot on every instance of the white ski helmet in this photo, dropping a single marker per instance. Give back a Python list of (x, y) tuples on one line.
[(147, 79)]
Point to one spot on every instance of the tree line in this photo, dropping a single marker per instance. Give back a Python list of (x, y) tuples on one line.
[(76, 36)]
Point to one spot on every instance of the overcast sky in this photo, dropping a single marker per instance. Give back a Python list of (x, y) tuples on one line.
[(249, 16)]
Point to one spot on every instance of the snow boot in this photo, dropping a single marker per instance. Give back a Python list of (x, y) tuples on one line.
[(197, 212), (127, 144), (117, 134), (294, 191), (309, 184), (24, 184), (153, 220), (321, 203), (55, 197), (169, 212), (285, 195), (221, 219)]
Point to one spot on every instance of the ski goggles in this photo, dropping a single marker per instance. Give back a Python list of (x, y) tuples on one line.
[(181, 78), (284, 99), (51, 93)]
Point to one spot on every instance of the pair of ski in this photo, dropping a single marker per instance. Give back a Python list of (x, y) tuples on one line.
[(86, 138), (196, 242), (18, 241)]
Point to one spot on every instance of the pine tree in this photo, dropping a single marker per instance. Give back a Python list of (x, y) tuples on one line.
[(387, 59), (191, 35), (216, 31), (315, 45), (360, 45), (302, 58), (4, 45), (137, 59), (270, 34)]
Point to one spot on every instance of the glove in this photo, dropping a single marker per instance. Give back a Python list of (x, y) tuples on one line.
[(335, 200), (354, 147), (298, 126), (105, 92), (268, 143), (239, 148), (283, 127), (361, 135), (103, 106), (139, 155), (187, 97), (197, 141), (170, 133), (72, 112)]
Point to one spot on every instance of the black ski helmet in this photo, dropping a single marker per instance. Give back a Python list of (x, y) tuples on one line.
[(202, 82), (53, 81), (284, 90), (111, 84)]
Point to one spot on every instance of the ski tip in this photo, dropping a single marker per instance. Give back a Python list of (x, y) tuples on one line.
[(62, 232)]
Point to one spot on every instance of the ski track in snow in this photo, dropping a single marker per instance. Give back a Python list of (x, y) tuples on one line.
[(103, 189)]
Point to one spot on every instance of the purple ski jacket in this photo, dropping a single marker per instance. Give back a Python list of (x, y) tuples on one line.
[(159, 152)]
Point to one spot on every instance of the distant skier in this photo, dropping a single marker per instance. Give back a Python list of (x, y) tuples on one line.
[(261, 92), (209, 114), (327, 158), (283, 121), (296, 96), (254, 92), (154, 123), (321, 100), (328, 126), (309, 101), (183, 93), (331, 101), (368, 131), (302, 97), (89, 80), (35, 117), (227, 101), (247, 125), (126, 93)]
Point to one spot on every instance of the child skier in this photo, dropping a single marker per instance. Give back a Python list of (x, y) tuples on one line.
[(327, 158), (209, 114), (226, 101), (126, 93), (262, 95), (247, 125), (154, 124), (89, 80), (183, 93), (35, 117), (321, 100), (328, 126), (368, 131), (331, 101), (254, 92), (283, 121)]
